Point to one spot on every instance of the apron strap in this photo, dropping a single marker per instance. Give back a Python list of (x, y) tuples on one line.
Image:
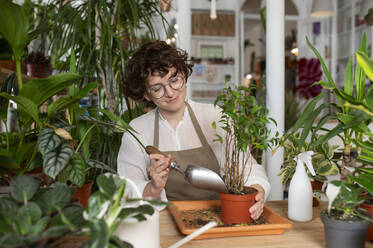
[(196, 125), (156, 129)]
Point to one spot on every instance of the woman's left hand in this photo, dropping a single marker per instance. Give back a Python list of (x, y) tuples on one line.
[(257, 209)]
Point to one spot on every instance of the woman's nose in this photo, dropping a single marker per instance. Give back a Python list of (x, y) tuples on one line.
[(168, 90)]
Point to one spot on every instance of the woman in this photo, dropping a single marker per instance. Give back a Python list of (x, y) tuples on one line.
[(178, 127)]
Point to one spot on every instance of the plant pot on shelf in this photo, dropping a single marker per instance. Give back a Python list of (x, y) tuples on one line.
[(316, 185), (83, 193), (235, 208), (369, 207), (344, 234)]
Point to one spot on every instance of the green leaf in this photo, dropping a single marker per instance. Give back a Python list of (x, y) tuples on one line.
[(324, 138), (27, 107), (61, 104), (308, 125), (54, 198), (95, 205), (23, 188), (55, 161), (30, 213), (8, 208), (74, 214), (368, 99), (303, 118), (359, 73), (120, 123), (54, 231), (100, 165), (366, 63), (14, 26), (40, 90), (48, 140), (109, 184), (345, 118), (142, 209), (366, 181), (325, 69), (99, 234), (75, 170), (40, 226)]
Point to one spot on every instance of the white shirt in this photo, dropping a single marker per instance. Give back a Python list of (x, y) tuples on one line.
[(133, 160)]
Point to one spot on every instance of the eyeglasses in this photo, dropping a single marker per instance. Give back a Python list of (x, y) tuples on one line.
[(157, 91)]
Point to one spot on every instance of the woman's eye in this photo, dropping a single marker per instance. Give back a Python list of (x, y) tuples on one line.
[(173, 80), (156, 88)]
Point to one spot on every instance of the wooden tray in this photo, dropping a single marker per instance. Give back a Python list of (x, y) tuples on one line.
[(277, 224)]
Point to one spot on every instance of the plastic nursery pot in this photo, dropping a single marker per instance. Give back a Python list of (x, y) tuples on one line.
[(235, 208), (316, 185), (344, 234), (369, 207), (83, 193)]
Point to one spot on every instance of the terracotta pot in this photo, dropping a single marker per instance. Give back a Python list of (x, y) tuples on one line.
[(316, 185), (83, 193), (369, 207), (344, 234), (235, 208)]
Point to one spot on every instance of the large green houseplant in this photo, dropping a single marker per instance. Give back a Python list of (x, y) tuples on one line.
[(353, 113), (244, 122)]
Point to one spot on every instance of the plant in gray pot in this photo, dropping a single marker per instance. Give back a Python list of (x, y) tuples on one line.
[(345, 222)]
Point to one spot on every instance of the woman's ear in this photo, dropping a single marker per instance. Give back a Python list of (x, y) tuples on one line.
[(146, 96)]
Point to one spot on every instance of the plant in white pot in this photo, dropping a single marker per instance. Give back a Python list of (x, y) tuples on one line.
[(245, 124)]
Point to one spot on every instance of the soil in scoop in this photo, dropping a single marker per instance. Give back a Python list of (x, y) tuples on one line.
[(199, 217)]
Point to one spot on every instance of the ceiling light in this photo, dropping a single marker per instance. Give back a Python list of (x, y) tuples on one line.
[(322, 8)]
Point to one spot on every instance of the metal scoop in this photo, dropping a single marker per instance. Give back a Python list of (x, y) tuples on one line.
[(197, 176)]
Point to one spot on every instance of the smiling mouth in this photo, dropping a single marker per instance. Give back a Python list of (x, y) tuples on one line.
[(172, 100)]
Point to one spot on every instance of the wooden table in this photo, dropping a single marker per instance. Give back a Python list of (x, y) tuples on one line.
[(303, 234)]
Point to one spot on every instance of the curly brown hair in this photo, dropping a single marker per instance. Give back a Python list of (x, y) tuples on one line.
[(152, 58)]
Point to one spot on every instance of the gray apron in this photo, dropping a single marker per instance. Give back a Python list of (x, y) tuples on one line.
[(176, 187)]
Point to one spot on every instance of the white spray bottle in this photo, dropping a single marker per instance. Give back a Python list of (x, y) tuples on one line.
[(300, 189)]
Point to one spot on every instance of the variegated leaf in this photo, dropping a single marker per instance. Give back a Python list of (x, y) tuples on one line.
[(55, 161), (99, 165), (48, 141), (76, 170)]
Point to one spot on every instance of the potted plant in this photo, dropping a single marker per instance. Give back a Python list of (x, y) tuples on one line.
[(244, 122), (323, 162), (354, 115), (33, 216), (110, 206)]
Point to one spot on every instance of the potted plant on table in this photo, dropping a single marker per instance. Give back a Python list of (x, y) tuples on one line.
[(244, 122), (354, 116), (323, 161)]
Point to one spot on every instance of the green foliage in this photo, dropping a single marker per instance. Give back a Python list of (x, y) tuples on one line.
[(354, 114), (322, 160), (31, 215), (107, 209), (347, 202), (245, 123)]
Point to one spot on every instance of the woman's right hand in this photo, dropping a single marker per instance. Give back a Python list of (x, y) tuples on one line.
[(158, 171)]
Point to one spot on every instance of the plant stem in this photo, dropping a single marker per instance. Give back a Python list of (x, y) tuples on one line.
[(19, 74)]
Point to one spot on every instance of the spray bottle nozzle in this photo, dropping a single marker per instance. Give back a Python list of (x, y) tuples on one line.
[(306, 158)]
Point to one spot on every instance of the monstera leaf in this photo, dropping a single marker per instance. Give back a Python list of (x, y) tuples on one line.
[(55, 161)]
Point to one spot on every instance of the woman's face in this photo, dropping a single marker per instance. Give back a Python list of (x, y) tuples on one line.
[(164, 93)]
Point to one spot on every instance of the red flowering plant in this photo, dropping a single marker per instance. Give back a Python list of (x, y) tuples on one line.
[(309, 72)]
